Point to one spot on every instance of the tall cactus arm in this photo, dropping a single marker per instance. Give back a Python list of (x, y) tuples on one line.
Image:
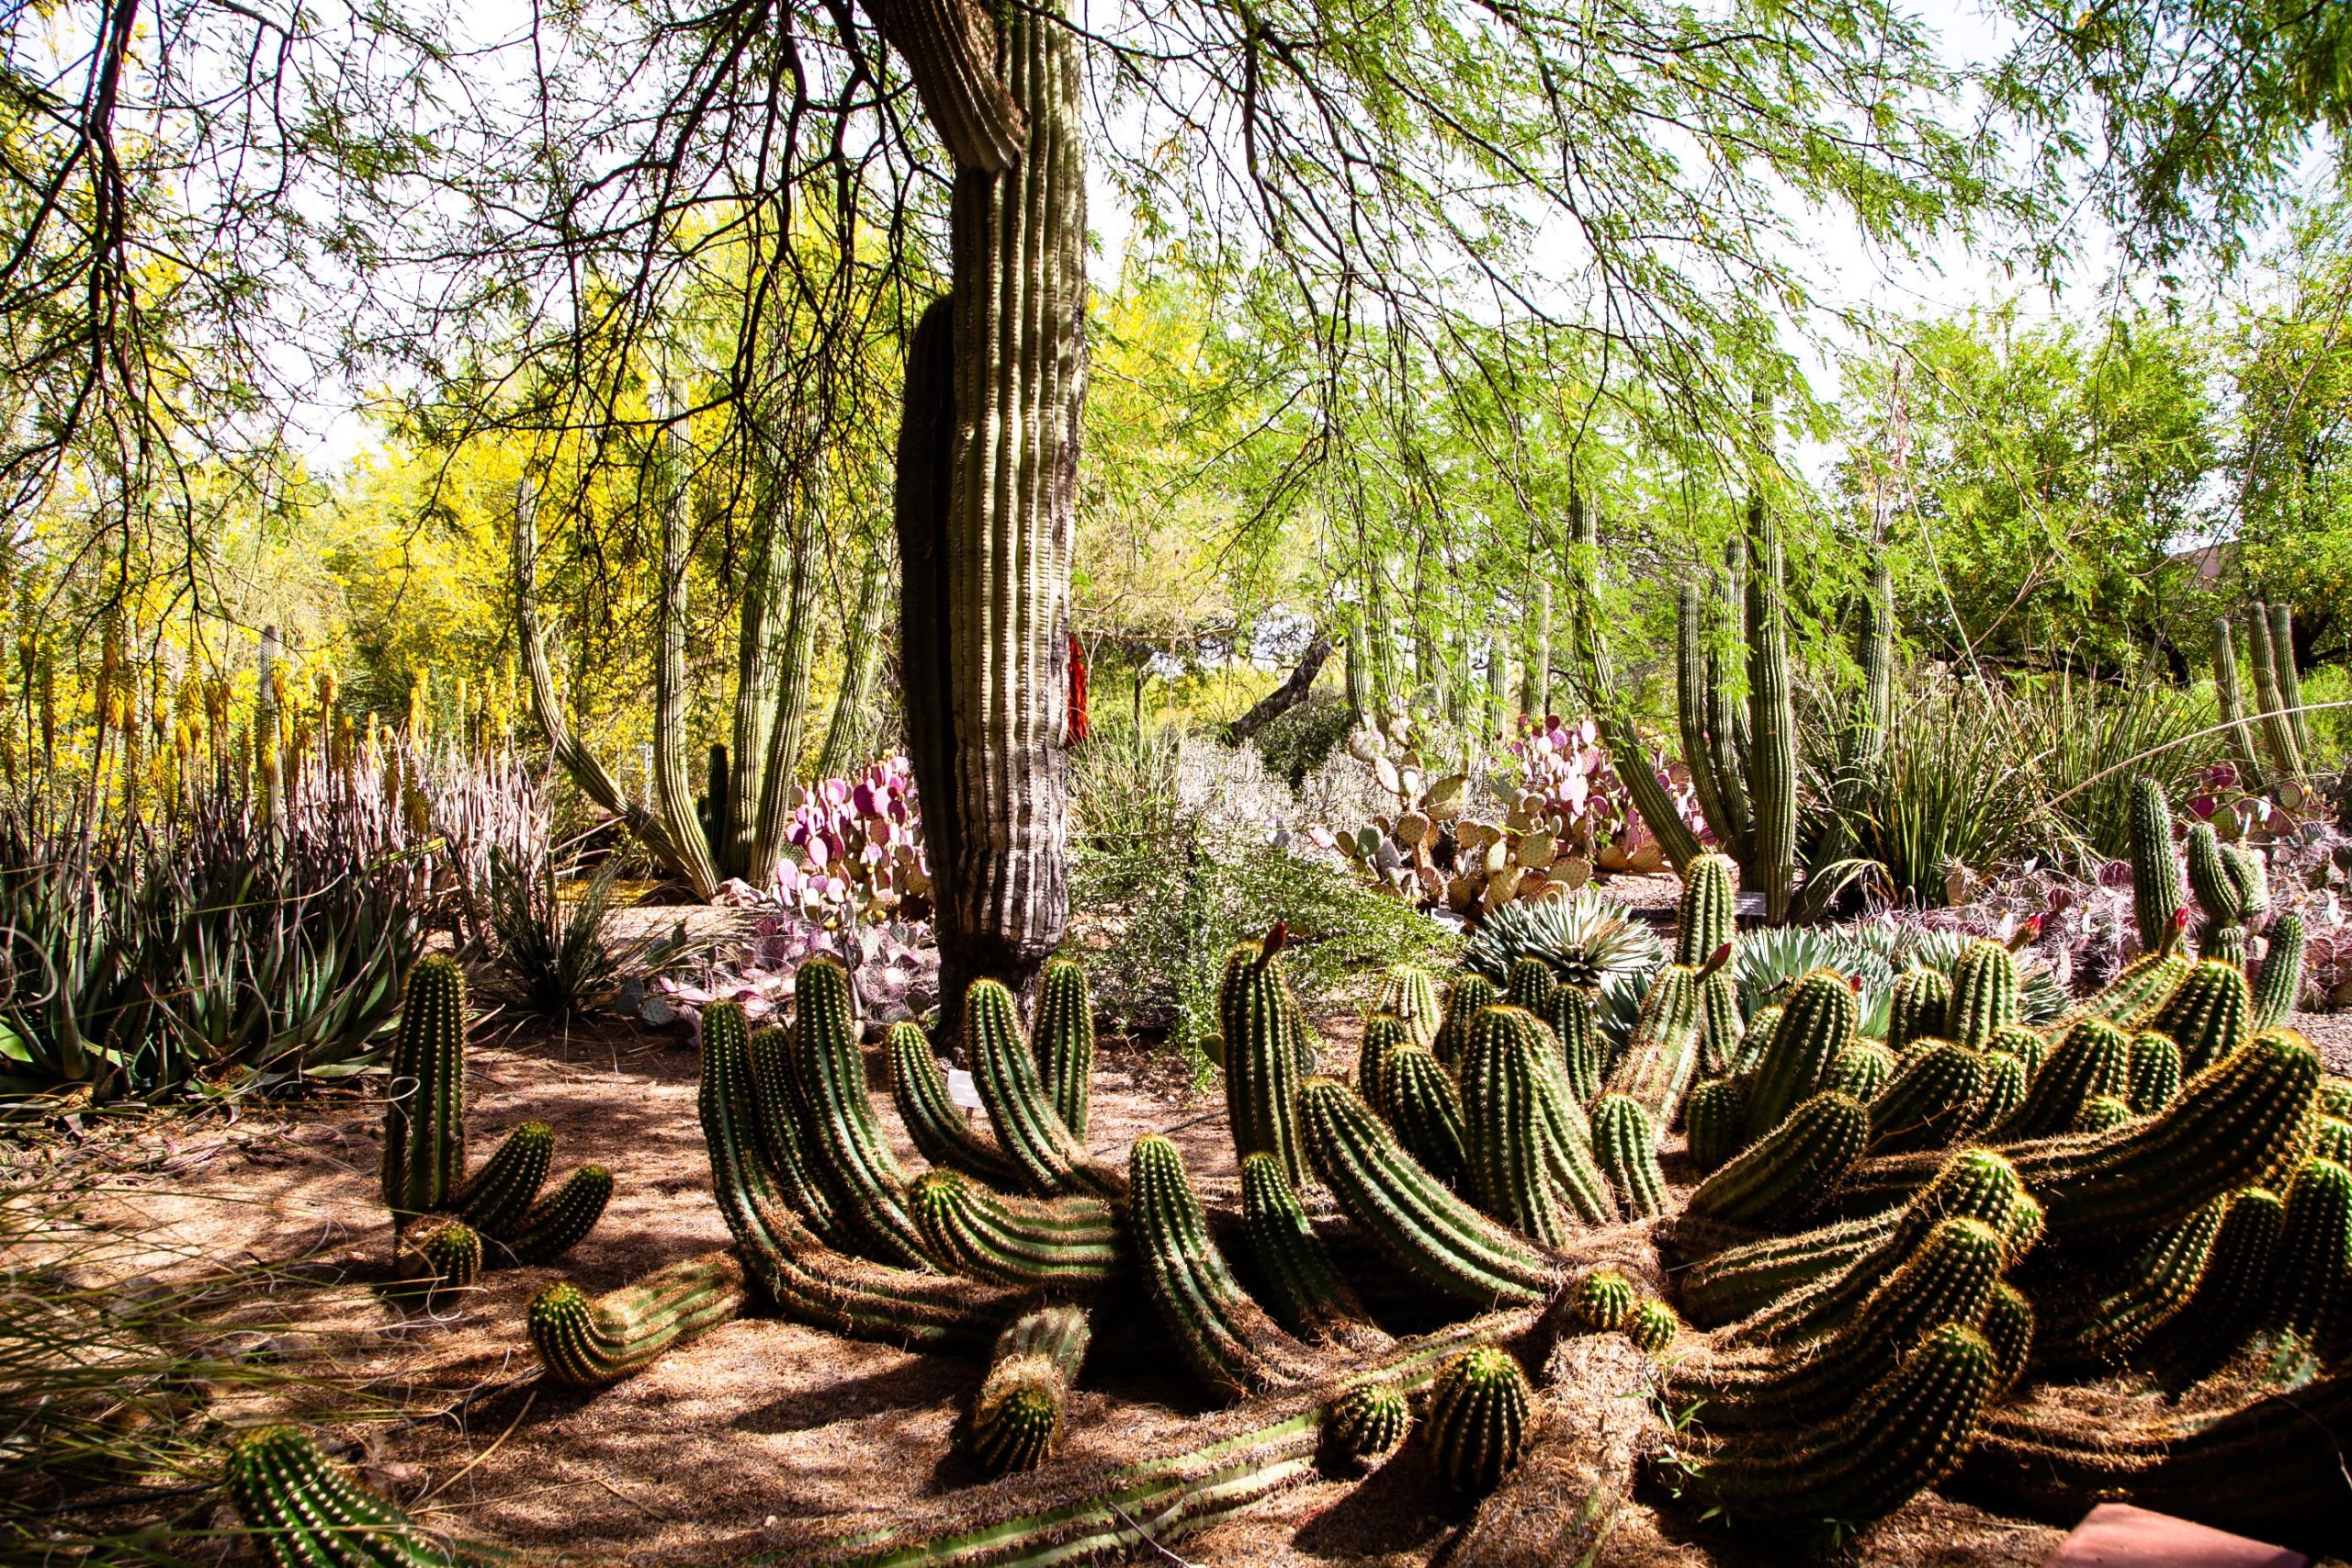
[(1691, 668), (1772, 761), (950, 52), (846, 733), (785, 724), (2277, 730), (2230, 696), (2289, 684), (673, 795)]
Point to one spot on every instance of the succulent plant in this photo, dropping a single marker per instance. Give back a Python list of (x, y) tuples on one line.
[(1478, 1418), (587, 1343), (1588, 938), (1267, 1051), (307, 1512), (1367, 1424), (1018, 1416)]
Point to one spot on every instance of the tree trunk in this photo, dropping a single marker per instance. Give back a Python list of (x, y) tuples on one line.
[(1285, 697), (985, 526), (845, 741)]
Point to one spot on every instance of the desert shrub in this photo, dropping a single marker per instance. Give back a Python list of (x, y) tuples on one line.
[(554, 949), (1297, 743)]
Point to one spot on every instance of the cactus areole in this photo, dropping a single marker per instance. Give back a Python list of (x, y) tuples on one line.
[(987, 482)]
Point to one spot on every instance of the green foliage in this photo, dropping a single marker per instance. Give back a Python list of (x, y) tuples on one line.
[(554, 949)]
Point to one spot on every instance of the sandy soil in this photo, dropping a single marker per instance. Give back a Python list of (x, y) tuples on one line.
[(760, 1422)]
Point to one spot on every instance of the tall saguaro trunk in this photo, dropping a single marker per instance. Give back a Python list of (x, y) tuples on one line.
[(987, 471)]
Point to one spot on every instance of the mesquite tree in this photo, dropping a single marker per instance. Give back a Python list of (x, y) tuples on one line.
[(987, 471)]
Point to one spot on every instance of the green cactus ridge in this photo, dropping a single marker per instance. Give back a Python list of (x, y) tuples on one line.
[(1706, 916), (1651, 1326), (1367, 1424), (1383, 1033), (1984, 993), (919, 1088), (2005, 1088), (853, 1158), (1569, 1011), (1919, 1008), (1426, 1111), (2231, 889), (1603, 1300), (2010, 1328), (804, 1278), (1470, 993), (1719, 1021), (1935, 1097), (424, 1111), (2133, 997), (1479, 1412), (1861, 1070), (1715, 1119), (442, 1254), (1755, 1040), (2233, 1122), (2207, 1015), (2102, 1114), (2278, 979), (1027, 1126), (1530, 1160), (1010, 1239), (1017, 1418), (500, 1194), (1816, 1022), (1224, 1338), (2154, 1076), (2156, 870), (2332, 1140), (588, 1344), (1065, 1040), (2335, 1096), (2024, 1044), (1788, 1169), (1529, 983), (2237, 1294), (1419, 1226), (2158, 1284), (2315, 1250), (1658, 1060), (1904, 1436), (559, 1221), (1625, 1143), (1303, 1287), (307, 1512), (1264, 1048), (1408, 991), (1741, 1281), (2289, 684), (1771, 748), (2092, 1058), (785, 1150)]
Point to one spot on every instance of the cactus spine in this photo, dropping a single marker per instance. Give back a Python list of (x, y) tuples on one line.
[(1651, 1327), (1529, 983), (1065, 1041), (1478, 1418), (1426, 1111), (1815, 1023), (1861, 1070), (1367, 1424), (1918, 1009), (1934, 1098), (1656, 1070), (1715, 1119), (1026, 1123), (1470, 992), (1383, 1033), (1772, 764), (1407, 991), (919, 1088), (1013, 1240), (2278, 979), (1223, 1336), (2232, 890), (2315, 1250), (2092, 1058), (2277, 728), (2228, 695), (557, 1221), (2156, 1073), (1984, 992), (1264, 1044), (1017, 1419), (1527, 1154), (1790, 1168), (588, 1344), (425, 1113), (1625, 1142), (498, 1197), (2237, 1292), (1303, 1288), (1603, 1300), (2207, 1014), (2155, 873), (785, 1148), (307, 1512), (1568, 1010), (441, 1254), (866, 1181)]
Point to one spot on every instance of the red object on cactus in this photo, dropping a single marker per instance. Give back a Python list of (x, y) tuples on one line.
[(1074, 729)]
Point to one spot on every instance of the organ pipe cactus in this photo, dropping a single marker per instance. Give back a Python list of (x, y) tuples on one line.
[(1018, 1417), (498, 1197), (2207, 1014), (1469, 993), (2156, 870), (919, 1088), (1569, 1011), (1027, 1126), (1225, 1338), (1984, 993), (2230, 697), (1065, 1040), (1625, 1142), (2276, 726), (1528, 1153), (1367, 1424), (2004, 1090), (2158, 1284), (1919, 1008), (441, 1253), (1478, 1418), (2236, 1295), (1658, 1060), (1425, 1108), (1715, 1123), (1706, 921), (786, 1143), (589, 1343), (2315, 1251), (1383, 1033), (2291, 686), (2093, 1057), (557, 1221), (1266, 1052), (1603, 1300), (1935, 1097), (1861, 1070), (2278, 979), (1529, 983), (307, 1512), (1772, 765)]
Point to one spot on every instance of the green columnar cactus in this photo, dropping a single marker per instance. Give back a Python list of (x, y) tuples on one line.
[(1529, 983), (1936, 1096), (1772, 758), (1264, 1045), (2276, 729), (1603, 1301), (1425, 1109), (2156, 870), (1918, 1009), (1624, 1140), (588, 1344), (2289, 684), (1416, 1222), (557, 1221), (1715, 1119), (1568, 1010), (1755, 1040), (919, 1088), (2335, 1096), (2332, 1140), (441, 1254), (498, 1197), (1367, 1424), (1478, 1418), (1741, 1281), (1383, 1033), (2021, 1042), (1224, 1338), (2102, 1114), (1408, 991), (1694, 675), (1652, 1326), (1065, 1040), (2278, 979), (1470, 992), (868, 1184), (1013, 1240), (1706, 916), (1861, 1070), (2093, 1057), (1816, 1022), (1523, 1134), (2133, 995), (2008, 1327), (1728, 738), (2158, 1284), (2315, 1251), (1303, 1287), (1905, 1435), (307, 1512), (1790, 1168), (2239, 1291), (1656, 1069), (425, 1113), (2231, 889), (1026, 1123), (2230, 697), (1985, 992), (2156, 1073), (2207, 1014), (782, 1122), (1018, 1416), (2232, 1123), (2005, 1088)]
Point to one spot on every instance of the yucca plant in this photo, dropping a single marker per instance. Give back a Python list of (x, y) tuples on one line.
[(554, 949), (2097, 738)]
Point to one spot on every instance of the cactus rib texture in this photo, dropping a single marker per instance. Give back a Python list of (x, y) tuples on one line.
[(1065, 1040), (590, 1343), (919, 1088), (1478, 1418), (307, 1512), (1225, 1338), (1027, 1126), (424, 1111), (1018, 1416)]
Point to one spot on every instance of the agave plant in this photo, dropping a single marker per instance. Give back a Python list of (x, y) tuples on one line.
[(553, 948), (1589, 938), (2040, 996), (1769, 959)]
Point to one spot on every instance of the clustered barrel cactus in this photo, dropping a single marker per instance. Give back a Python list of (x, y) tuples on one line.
[(1849, 1272)]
